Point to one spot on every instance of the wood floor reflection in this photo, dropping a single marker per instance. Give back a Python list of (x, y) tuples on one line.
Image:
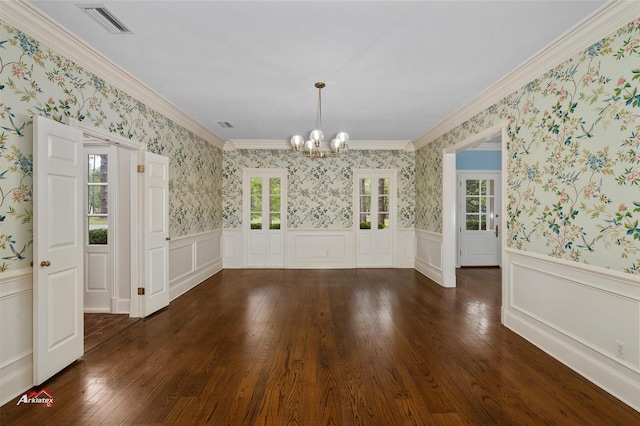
[(98, 328), (324, 347)]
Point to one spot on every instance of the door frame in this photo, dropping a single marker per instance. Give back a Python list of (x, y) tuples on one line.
[(105, 137), (449, 198)]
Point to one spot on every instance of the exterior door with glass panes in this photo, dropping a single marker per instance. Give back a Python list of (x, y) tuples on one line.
[(98, 275), (479, 233), (375, 218), (264, 194)]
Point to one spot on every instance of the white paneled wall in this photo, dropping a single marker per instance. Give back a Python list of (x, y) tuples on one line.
[(16, 335), (428, 259), (318, 248), (307, 249), (588, 318), (193, 259)]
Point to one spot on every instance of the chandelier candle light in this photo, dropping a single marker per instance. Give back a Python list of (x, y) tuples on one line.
[(338, 144)]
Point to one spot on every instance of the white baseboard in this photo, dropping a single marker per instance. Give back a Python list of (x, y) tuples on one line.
[(16, 378), (578, 314), (97, 311), (121, 306)]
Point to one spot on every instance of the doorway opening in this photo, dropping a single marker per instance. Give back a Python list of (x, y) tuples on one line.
[(479, 208), (450, 205), (107, 228)]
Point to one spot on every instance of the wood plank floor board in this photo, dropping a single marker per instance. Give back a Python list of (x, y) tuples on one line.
[(324, 347)]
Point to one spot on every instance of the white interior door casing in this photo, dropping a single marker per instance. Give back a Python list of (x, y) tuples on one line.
[(479, 207), (58, 335), (375, 219), (155, 229), (264, 217)]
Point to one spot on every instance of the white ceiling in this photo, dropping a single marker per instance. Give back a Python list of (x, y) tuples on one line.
[(393, 69)]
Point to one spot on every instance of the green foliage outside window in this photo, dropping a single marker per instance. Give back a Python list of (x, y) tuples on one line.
[(98, 236)]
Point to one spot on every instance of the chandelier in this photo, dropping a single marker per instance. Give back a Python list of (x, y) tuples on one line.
[(313, 145)]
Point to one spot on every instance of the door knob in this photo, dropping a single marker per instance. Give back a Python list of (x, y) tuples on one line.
[(45, 263)]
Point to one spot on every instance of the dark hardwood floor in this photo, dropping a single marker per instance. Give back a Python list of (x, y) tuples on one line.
[(324, 347), (98, 328)]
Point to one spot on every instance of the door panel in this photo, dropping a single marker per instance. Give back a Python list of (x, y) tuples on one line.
[(264, 204), (58, 324), (375, 198), (479, 242), (155, 228)]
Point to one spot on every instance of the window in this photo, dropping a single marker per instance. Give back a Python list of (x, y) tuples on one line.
[(479, 202), (97, 198), (381, 193), (273, 196)]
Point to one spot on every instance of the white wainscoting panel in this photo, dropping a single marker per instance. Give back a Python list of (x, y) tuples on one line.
[(193, 259), (232, 249), (406, 248), (429, 254), (16, 333), (318, 248), (309, 249), (586, 317)]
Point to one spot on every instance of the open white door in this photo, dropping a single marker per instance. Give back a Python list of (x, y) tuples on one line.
[(155, 238), (58, 322)]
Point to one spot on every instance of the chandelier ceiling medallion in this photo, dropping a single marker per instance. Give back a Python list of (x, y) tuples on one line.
[(314, 144)]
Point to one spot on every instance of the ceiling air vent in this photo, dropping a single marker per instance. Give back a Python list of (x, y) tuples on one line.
[(107, 19), (225, 124)]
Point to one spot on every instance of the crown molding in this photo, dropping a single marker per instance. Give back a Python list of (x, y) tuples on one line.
[(354, 145), (606, 20), (32, 21)]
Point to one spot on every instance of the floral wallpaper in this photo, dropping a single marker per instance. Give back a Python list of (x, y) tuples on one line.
[(320, 191), (37, 81), (573, 169)]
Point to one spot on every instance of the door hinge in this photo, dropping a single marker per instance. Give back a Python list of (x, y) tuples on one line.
[(140, 291), (140, 168)]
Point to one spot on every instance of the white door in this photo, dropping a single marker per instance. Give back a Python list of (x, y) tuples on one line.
[(155, 229), (264, 217), (58, 322), (98, 228), (479, 242), (374, 217)]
